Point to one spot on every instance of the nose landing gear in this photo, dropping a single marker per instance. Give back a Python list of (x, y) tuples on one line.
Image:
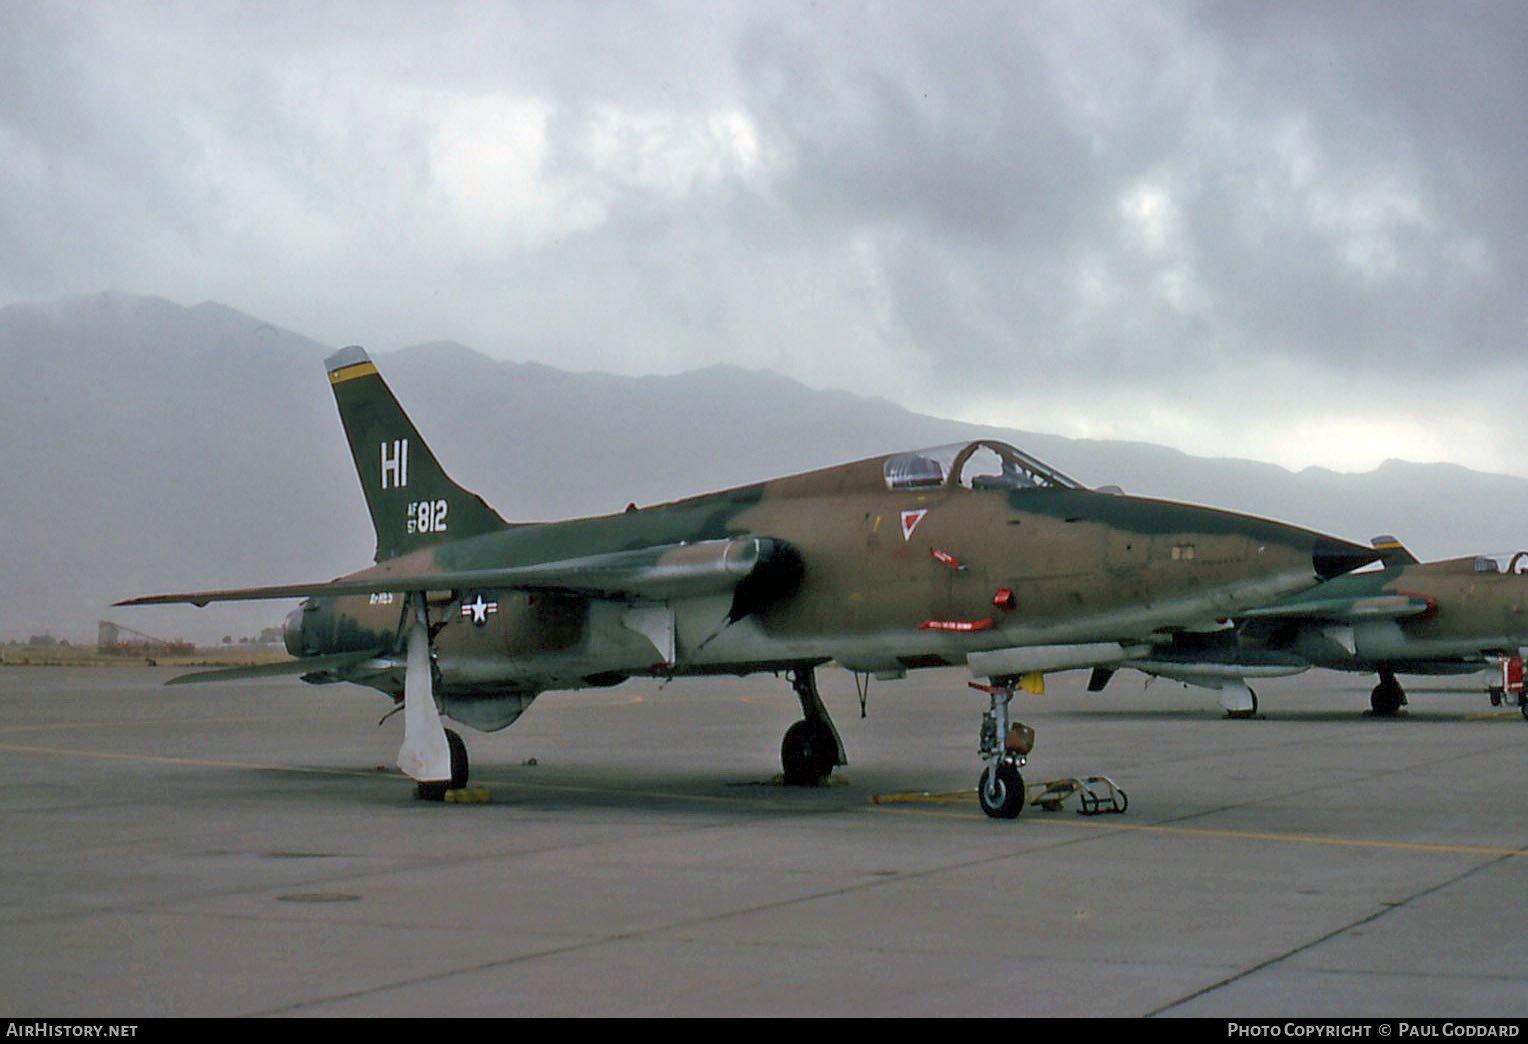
[(1004, 745)]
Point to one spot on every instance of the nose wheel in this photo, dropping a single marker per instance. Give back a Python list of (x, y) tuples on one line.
[(1001, 791)]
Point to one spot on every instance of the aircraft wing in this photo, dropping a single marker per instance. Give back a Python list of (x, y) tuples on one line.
[(655, 573), (1368, 607), (306, 665)]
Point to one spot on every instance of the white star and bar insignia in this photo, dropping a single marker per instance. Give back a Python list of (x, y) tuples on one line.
[(478, 610)]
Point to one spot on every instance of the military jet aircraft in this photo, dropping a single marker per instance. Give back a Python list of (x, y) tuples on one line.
[(975, 554), (1457, 616)]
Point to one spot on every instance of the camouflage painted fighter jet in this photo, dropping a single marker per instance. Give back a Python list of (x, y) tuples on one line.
[(974, 554), (1457, 616)]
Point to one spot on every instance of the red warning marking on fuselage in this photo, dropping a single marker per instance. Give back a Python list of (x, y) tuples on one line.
[(945, 558), (956, 625)]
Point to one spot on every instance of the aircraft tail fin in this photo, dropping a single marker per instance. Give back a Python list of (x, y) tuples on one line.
[(1392, 552), (413, 502)]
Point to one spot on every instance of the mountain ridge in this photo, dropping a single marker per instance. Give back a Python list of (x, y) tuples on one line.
[(153, 447)]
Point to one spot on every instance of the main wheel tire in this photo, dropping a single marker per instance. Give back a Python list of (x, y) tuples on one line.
[(1386, 700), (1004, 799), (807, 753), (459, 765), (459, 771), (431, 791)]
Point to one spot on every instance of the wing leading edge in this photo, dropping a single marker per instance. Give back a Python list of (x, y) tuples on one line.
[(650, 573)]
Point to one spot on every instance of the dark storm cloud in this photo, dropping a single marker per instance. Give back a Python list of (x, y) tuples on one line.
[(1430, 94), (80, 163), (1180, 198), (1120, 213), (1297, 155), (956, 134)]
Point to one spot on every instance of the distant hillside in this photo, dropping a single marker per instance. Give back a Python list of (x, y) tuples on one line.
[(150, 447)]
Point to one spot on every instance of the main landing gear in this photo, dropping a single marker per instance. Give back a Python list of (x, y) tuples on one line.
[(432, 755), (1507, 689), (1509, 699), (1388, 697), (1238, 699), (811, 748)]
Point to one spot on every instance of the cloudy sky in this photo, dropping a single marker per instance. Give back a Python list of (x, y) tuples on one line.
[(1287, 231)]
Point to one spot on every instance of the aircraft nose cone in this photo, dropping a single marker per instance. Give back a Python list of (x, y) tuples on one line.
[(1332, 557)]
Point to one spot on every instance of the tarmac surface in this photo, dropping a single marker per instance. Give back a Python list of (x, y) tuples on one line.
[(248, 849)]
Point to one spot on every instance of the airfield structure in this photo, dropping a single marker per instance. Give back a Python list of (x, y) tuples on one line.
[(110, 640)]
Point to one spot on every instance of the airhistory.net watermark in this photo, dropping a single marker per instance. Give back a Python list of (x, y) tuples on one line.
[(45, 1028)]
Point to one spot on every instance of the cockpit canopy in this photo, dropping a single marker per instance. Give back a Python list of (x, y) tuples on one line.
[(1502, 563), (984, 464)]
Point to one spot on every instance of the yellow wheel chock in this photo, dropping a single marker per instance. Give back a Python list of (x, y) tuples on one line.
[(468, 796)]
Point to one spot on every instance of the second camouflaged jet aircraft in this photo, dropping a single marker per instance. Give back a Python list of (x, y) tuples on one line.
[(1457, 616), (973, 554)]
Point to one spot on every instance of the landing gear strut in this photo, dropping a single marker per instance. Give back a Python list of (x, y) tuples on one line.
[(1003, 746), (433, 756), (1238, 699), (811, 748), (1248, 713), (1388, 697)]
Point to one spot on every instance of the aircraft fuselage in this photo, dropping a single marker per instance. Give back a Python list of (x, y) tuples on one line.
[(889, 579)]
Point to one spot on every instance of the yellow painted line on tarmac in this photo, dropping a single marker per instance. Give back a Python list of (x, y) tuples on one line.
[(164, 759), (10, 730), (1113, 823), (926, 797)]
